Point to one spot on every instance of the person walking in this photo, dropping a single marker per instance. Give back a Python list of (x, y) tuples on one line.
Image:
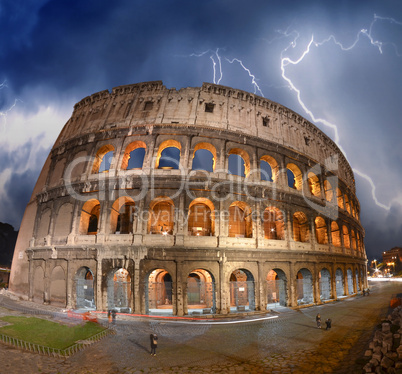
[(328, 322), (318, 320), (154, 344), (113, 317)]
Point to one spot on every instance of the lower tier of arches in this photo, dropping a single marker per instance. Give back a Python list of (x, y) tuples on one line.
[(156, 281)]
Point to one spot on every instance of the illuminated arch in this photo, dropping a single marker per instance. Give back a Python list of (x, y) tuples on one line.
[(273, 164), (99, 158), (346, 236), (89, 221), (122, 215), (329, 192), (240, 220), (201, 217), (161, 216), (347, 203), (353, 239), (321, 232), (314, 184), (166, 144), (127, 153), (207, 147), (298, 176), (244, 155), (335, 235), (301, 232), (339, 197), (274, 225)]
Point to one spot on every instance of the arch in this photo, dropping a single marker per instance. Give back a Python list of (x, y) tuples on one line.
[(321, 232), (240, 220), (133, 157), (276, 288), (274, 225), (84, 283), (44, 223), (304, 280), (246, 160), (349, 274), (201, 291), (204, 157), (165, 160), (201, 217), (347, 203), (325, 284), (58, 172), (336, 234), (329, 192), (295, 177), (242, 296), (159, 292), (122, 215), (161, 216), (346, 237), (301, 231), (119, 290), (314, 184), (339, 283), (353, 239), (271, 174), (39, 285), (339, 197), (89, 221), (103, 159), (64, 219), (79, 168), (58, 287)]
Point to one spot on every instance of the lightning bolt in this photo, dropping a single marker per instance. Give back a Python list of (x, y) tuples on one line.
[(285, 61), (3, 114)]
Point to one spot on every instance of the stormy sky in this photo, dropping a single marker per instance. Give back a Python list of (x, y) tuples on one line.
[(337, 63)]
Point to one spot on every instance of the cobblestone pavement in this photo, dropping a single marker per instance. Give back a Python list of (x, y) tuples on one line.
[(290, 343)]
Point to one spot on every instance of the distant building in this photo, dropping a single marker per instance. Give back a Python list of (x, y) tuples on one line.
[(392, 259)]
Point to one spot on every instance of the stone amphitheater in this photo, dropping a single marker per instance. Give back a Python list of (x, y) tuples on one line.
[(206, 200)]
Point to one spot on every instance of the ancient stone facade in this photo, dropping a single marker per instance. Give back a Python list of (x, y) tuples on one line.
[(198, 200)]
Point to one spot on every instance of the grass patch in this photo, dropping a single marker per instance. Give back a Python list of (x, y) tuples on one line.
[(48, 333)]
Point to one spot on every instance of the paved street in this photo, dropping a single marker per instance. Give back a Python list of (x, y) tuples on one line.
[(290, 343)]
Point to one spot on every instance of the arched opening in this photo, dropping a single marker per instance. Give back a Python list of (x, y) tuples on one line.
[(39, 285), (339, 197), (201, 218), (168, 156), (89, 221), (349, 274), (339, 283), (159, 292), (269, 169), (274, 225), (58, 290), (321, 233), (161, 217), (335, 235), (103, 159), (84, 283), (239, 162), (64, 218), (295, 177), (347, 203), (204, 157), (329, 192), (242, 291), (276, 288), (201, 292), (325, 284), (301, 231), (122, 216), (346, 237), (240, 222), (314, 184), (133, 157), (353, 239), (304, 287), (119, 291)]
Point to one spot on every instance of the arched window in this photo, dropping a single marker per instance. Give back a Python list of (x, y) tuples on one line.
[(314, 184), (133, 157), (274, 225), (353, 239), (103, 159), (168, 156), (346, 237), (240, 223), (268, 169), (300, 227), (122, 216), (329, 193), (239, 162), (161, 218), (321, 233), (204, 157), (335, 234), (295, 177), (90, 218), (339, 197), (347, 204), (201, 220)]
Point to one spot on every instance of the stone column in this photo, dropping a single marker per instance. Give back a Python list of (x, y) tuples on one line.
[(316, 279), (224, 292), (136, 287), (292, 285), (261, 302), (179, 292), (99, 296), (69, 286)]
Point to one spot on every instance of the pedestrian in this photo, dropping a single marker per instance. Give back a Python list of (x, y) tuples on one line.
[(328, 322), (109, 316), (154, 344), (318, 320), (364, 292), (114, 316)]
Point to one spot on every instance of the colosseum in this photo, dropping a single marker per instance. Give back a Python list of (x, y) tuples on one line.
[(206, 200)]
